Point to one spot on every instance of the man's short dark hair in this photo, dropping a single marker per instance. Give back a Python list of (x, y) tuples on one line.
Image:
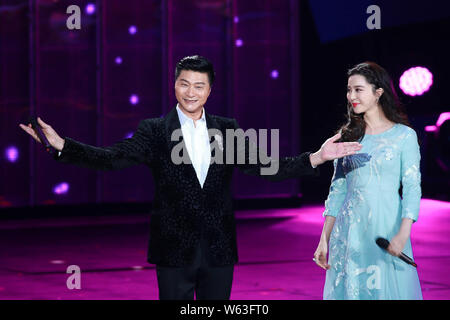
[(196, 63)]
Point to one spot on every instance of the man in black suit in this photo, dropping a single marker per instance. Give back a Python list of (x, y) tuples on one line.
[(192, 227)]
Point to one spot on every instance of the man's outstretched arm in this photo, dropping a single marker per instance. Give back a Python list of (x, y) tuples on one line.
[(277, 169), (331, 150), (123, 154)]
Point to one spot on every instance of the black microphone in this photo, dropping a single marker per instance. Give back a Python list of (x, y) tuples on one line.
[(37, 128), (384, 243)]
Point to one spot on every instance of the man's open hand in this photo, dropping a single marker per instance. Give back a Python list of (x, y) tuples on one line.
[(53, 138)]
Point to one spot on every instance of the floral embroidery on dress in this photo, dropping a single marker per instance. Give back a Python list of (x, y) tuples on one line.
[(364, 199)]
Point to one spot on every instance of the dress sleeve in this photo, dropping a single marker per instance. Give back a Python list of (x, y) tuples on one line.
[(410, 177), (338, 190)]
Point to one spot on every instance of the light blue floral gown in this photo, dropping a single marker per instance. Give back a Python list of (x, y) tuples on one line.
[(364, 198)]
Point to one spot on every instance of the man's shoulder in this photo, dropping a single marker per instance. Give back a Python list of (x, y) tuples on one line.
[(152, 122), (151, 126), (223, 121), (155, 123)]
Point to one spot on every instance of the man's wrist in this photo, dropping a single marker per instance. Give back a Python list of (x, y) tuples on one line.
[(60, 145), (315, 159)]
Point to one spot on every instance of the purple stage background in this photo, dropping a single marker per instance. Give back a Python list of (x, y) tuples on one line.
[(280, 64), (82, 81)]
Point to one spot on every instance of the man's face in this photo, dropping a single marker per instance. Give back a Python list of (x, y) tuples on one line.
[(192, 89)]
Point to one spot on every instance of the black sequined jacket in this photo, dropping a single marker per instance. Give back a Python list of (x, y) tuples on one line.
[(182, 210)]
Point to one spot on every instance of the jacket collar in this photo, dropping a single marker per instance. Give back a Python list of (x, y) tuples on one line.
[(172, 123)]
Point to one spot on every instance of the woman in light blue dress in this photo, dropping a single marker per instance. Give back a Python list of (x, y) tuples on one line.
[(364, 201)]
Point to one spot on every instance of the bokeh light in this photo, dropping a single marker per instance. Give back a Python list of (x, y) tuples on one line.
[(134, 99), (132, 30), (90, 8), (274, 74), (61, 188), (12, 154), (129, 135), (416, 81)]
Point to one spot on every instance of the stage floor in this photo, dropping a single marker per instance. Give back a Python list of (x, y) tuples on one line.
[(275, 249)]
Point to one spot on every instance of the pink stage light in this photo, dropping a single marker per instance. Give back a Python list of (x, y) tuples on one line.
[(442, 118), (118, 60), (132, 30), (239, 43), (61, 188), (12, 154), (134, 99), (416, 81), (90, 8)]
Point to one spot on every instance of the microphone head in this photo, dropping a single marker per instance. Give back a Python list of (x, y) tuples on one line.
[(33, 121), (382, 243)]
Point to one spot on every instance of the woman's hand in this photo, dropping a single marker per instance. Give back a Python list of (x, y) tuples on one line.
[(397, 244), (320, 256)]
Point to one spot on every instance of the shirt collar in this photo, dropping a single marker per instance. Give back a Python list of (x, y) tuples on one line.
[(184, 118)]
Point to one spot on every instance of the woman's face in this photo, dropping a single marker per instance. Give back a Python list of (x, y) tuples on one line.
[(360, 94)]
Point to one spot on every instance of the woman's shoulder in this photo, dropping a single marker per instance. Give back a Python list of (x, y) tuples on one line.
[(405, 129), (406, 134)]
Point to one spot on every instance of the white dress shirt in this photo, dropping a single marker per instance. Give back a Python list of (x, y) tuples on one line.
[(196, 139)]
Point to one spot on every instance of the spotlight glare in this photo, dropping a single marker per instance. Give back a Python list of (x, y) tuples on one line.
[(239, 43), (416, 81), (442, 118)]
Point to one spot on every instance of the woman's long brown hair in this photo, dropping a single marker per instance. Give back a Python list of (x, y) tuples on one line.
[(355, 127)]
